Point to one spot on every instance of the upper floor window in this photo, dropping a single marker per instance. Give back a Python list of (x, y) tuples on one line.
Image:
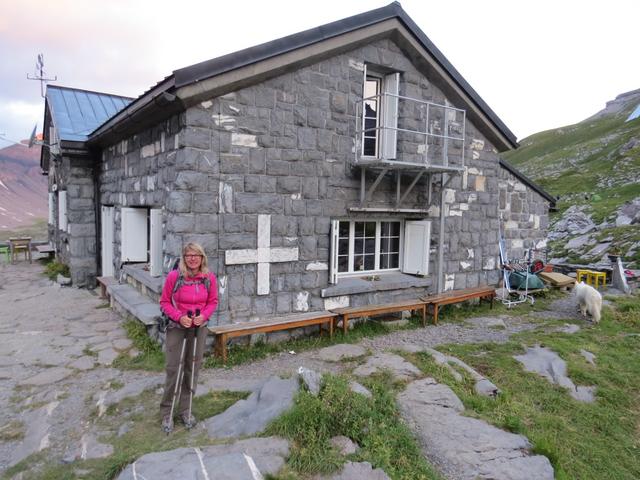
[(380, 115)]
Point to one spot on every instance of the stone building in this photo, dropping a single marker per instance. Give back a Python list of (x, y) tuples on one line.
[(343, 165)]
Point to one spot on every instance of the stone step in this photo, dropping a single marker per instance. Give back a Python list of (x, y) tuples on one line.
[(137, 276), (129, 302)]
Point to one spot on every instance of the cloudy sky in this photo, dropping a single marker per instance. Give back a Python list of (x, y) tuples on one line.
[(539, 65)]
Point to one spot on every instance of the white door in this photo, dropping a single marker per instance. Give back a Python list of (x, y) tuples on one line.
[(134, 234), (417, 242), (107, 241)]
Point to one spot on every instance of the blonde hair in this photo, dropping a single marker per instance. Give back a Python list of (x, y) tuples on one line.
[(196, 247)]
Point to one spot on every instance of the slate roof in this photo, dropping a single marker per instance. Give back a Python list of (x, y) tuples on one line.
[(76, 113)]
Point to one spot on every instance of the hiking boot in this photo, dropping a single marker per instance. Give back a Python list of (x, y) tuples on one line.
[(188, 420), (167, 424)]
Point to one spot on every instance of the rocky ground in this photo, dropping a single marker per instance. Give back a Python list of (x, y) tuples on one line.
[(57, 345)]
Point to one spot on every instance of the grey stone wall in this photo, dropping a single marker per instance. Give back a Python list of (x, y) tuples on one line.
[(76, 246), (139, 171), (285, 148)]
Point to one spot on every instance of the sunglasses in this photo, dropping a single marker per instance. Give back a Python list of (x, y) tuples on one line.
[(192, 256)]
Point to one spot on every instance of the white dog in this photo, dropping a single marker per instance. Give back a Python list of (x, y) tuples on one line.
[(589, 300)]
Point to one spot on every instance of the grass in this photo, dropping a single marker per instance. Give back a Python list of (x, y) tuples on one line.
[(598, 440), (37, 231), (150, 356), (144, 436), (12, 431), (53, 268), (372, 423)]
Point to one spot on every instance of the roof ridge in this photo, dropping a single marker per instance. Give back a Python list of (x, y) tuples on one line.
[(62, 87)]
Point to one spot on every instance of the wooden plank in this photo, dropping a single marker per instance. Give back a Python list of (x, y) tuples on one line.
[(273, 322), (381, 307), (556, 279)]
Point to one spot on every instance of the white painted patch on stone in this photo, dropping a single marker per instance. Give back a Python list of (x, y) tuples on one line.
[(422, 148), (225, 197), (224, 121), (449, 281), (331, 160), (473, 197), (356, 65), (317, 266), (255, 473), (336, 302), (536, 221), (222, 284), (475, 171), (264, 255), (465, 265), (162, 140), (489, 263), (234, 109), (148, 151), (449, 195), (470, 253), (151, 183), (206, 159), (244, 140), (205, 474), (296, 196), (477, 144), (123, 146), (206, 104), (541, 244), (434, 211), (517, 243), (481, 182), (136, 186), (510, 225), (464, 206), (302, 302), (520, 187), (455, 213), (176, 142), (475, 155)]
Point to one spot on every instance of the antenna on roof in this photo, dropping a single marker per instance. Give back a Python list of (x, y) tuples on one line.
[(40, 74)]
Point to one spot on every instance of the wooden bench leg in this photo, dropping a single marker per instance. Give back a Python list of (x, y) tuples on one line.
[(424, 315), (331, 328), (435, 313), (345, 323)]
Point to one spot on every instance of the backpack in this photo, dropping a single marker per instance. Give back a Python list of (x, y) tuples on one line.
[(163, 321)]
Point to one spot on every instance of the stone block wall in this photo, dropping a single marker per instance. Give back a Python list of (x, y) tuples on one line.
[(76, 246), (139, 171)]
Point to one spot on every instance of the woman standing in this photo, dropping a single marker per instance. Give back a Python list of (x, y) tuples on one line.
[(189, 298)]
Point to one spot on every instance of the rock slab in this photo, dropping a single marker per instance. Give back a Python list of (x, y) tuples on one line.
[(250, 416), (462, 447), (398, 366), (245, 459)]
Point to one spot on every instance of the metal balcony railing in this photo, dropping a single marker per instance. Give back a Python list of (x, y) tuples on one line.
[(408, 133)]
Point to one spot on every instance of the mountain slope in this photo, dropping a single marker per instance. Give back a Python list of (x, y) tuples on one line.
[(594, 165), (23, 188)]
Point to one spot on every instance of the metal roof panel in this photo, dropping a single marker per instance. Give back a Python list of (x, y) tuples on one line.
[(76, 113)]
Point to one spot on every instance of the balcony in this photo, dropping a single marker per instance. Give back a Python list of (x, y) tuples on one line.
[(403, 133)]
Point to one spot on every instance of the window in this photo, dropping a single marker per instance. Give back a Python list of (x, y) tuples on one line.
[(366, 246), (380, 115)]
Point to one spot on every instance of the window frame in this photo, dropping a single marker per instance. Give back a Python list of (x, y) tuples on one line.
[(379, 79), (378, 241)]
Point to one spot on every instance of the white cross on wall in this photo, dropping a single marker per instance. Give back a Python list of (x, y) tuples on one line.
[(263, 256)]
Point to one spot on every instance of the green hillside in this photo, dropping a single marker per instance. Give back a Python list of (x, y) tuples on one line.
[(594, 163)]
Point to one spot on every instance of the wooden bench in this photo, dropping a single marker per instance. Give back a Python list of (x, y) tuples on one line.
[(104, 282), (45, 249), (353, 312), (223, 333), (457, 296)]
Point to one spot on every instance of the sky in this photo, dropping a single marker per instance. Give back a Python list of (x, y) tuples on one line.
[(538, 64)]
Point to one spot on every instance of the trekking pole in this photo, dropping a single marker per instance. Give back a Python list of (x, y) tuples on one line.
[(177, 391), (193, 367)]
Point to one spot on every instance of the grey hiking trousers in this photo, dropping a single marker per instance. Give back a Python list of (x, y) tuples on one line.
[(173, 346)]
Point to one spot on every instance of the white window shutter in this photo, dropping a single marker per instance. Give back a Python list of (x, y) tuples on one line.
[(62, 210), (333, 267), (52, 212), (107, 241), (391, 86), (155, 268), (417, 241), (133, 226)]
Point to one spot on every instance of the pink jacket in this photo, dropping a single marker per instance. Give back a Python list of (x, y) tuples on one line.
[(189, 297)]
